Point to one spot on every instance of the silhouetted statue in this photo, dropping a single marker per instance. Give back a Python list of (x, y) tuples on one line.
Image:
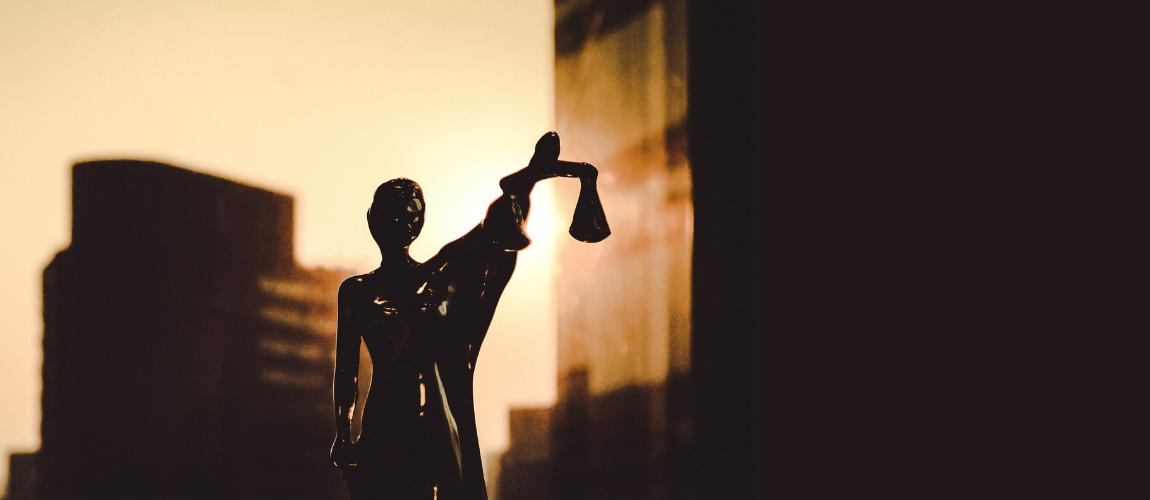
[(423, 325)]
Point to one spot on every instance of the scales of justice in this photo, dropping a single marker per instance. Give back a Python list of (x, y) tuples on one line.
[(423, 325)]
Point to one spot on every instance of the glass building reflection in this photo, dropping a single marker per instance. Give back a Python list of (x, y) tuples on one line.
[(619, 426), (655, 348)]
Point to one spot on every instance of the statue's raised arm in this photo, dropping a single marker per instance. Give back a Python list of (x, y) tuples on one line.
[(588, 224), (504, 224)]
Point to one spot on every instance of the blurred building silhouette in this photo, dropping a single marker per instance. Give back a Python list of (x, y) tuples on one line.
[(186, 354), (655, 354), (21, 476), (525, 469)]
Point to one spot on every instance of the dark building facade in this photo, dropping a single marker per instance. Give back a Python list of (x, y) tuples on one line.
[(21, 476), (654, 348), (186, 354), (525, 470)]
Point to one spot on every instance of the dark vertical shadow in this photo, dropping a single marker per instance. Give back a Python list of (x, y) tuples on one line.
[(720, 127)]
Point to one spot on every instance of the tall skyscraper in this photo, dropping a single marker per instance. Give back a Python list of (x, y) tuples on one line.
[(186, 353), (624, 306), (654, 347)]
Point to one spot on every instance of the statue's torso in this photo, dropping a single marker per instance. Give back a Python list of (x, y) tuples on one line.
[(398, 317)]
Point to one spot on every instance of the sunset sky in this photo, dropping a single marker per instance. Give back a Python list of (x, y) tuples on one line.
[(320, 100)]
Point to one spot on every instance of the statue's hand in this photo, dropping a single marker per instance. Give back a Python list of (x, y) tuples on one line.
[(546, 151), (343, 452)]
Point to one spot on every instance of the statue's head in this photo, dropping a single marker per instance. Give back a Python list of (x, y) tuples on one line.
[(396, 214)]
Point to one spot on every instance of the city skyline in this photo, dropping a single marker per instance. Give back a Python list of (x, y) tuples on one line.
[(625, 365)]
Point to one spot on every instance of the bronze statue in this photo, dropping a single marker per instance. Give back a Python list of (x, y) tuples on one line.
[(423, 325)]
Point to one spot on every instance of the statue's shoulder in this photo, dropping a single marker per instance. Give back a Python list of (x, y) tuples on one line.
[(357, 285)]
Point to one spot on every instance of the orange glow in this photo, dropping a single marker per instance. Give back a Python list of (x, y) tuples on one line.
[(323, 100)]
